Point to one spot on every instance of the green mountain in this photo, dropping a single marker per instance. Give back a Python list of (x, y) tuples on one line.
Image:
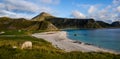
[(104, 24), (45, 21), (115, 24), (42, 16), (62, 23), (42, 25), (23, 24), (74, 23)]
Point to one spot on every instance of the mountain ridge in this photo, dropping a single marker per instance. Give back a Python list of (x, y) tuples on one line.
[(23, 24), (45, 21), (66, 22), (74, 23), (42, 16)]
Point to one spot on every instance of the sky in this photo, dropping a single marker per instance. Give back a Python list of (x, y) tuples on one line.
[(100, 10)]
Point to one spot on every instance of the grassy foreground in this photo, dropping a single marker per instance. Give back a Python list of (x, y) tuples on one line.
[(41, 49)]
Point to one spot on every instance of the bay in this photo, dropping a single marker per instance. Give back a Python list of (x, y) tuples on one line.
[(104, 38)]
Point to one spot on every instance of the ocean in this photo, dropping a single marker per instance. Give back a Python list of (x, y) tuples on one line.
[(104, 38)]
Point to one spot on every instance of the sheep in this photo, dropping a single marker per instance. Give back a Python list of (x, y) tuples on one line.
[(27, 45), (2, 32)]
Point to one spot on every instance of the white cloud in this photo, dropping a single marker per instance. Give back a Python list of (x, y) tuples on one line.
[(21, 8), (22, 5), (104, 15), (4, 13), (92, 9), (116, 2), (50, 1), (78, 14), (118, 8), (108, 14)]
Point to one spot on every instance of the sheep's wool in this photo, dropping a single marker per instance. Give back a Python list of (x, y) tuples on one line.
[(27, 45)]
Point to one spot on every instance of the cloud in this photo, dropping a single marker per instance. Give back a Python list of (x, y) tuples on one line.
[(118, 8), (21, 5), (21, 8), (108, 14), (50, 1), (101, 12), (78, 14), (92, 9), (116, 2), (4, 13)]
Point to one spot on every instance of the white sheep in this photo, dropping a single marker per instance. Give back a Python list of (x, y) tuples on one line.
[(2, 32), (27, 45)]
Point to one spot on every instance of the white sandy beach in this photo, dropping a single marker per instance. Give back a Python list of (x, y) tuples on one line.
[(59, 40)]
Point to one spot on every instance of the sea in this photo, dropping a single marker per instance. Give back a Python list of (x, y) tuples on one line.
[(103, 38)]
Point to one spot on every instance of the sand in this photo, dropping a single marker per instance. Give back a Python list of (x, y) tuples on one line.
[(59, 40)]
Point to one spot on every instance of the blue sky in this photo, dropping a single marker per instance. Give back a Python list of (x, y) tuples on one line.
[(103, 10)]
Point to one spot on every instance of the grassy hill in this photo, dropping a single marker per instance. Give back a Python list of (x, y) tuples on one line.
[(62, 23), (23, 24), (42, 16), (41, 49)]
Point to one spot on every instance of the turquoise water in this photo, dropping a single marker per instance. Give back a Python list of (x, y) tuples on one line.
[(104, 38)]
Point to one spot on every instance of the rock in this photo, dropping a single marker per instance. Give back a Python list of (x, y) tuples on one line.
[(88, 44), (26, 45), (77, 42)]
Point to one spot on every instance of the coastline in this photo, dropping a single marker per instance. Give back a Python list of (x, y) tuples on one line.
[(59, 40)]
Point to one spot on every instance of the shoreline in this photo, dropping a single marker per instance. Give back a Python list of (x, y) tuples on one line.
[(60, 40)]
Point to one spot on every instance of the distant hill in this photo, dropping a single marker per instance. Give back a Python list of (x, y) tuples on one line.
[(42, 16), (45, 21), (104, 24), (116, 24), (62, 23), (67, 22), (74, 23), (21, 23)]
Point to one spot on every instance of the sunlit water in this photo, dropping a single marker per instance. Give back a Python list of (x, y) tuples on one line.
[(104, 38)]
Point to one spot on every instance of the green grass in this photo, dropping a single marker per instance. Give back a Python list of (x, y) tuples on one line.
[(20, 32), (14, 32), (41, 49)]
